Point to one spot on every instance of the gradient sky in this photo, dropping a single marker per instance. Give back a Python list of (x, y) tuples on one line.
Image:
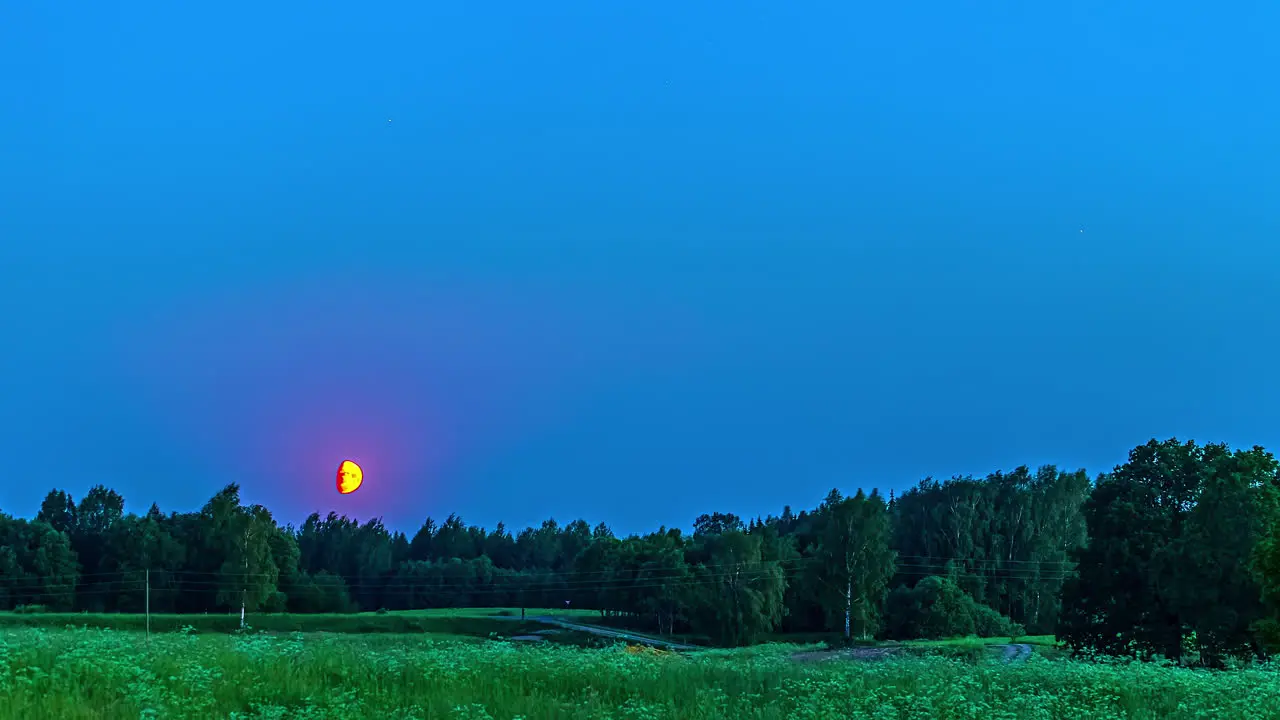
[(626, 261)]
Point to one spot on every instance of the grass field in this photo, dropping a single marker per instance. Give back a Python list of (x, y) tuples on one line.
[(108, 674), (448, 621), (1039, 641)]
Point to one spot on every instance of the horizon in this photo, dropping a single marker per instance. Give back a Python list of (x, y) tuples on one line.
[(685, 528)]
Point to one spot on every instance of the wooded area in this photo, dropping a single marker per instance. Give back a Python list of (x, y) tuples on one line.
[(1174, 553)]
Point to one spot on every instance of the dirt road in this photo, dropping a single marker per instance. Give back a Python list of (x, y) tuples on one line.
[(1013, 653), (1016, 653), (606, 632)]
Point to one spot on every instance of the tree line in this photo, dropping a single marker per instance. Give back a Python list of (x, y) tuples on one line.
[(1174, 553)]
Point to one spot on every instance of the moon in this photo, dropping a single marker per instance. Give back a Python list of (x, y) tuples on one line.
[(350, 477)]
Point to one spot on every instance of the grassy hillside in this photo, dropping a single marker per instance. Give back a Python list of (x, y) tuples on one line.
[(451, 621), (109, 675)]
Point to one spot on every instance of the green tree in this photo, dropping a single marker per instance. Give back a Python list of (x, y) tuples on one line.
[(59, 510), (596, 574), (1173, 537), (95, 517), (143, 551), (1235, 510), (856, 561), (1266, 569), (37, 565), (287, 558), (237, 542), (420, 547), (717, 524), (739, 594)]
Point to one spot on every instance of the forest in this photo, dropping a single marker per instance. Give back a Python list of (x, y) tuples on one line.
[(1174, 553)]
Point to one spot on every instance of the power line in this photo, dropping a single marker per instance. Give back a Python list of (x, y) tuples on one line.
[(693, 575), (620, 575)]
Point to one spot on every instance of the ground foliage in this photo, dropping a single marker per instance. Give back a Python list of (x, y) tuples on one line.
[(106, 675)]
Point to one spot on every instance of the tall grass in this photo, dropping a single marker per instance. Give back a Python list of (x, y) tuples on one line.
[(106, 674), (461, 621)]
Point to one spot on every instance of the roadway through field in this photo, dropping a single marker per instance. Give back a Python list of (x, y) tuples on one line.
[(605, 632), (1009, 654), (1016, 653)]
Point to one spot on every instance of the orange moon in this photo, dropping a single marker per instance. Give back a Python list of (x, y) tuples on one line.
[(350, 477)]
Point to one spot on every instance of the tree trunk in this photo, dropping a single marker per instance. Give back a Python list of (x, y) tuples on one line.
[(848, 607)]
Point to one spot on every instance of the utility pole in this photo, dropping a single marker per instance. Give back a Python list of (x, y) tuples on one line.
[(148, 607), (244, 592)]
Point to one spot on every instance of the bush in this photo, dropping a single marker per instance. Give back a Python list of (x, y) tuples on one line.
[(323, 592), (30, 609), (989, 623), (938, 608), (276, 602), (1269, 634)]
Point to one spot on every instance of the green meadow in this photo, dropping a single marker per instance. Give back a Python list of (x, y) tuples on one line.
[(101, 673), (447, 621)]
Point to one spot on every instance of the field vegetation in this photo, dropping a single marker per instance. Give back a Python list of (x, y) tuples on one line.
[(105, 675), (479, 622)]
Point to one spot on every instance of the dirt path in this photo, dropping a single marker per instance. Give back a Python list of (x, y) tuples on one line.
[(605, 632), (1016, 653), (1012, 653), (863, 653)]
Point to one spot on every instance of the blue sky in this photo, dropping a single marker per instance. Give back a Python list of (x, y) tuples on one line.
[(626, 261)]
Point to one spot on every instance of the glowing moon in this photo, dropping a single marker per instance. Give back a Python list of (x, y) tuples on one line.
[(350, 476)]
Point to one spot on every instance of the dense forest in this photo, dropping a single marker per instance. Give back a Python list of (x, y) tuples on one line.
[(1175, 553)]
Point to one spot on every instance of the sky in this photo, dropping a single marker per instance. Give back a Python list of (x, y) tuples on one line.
[(629, 262)]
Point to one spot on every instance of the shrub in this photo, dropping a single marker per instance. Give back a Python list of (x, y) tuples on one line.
[(938, 608)]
